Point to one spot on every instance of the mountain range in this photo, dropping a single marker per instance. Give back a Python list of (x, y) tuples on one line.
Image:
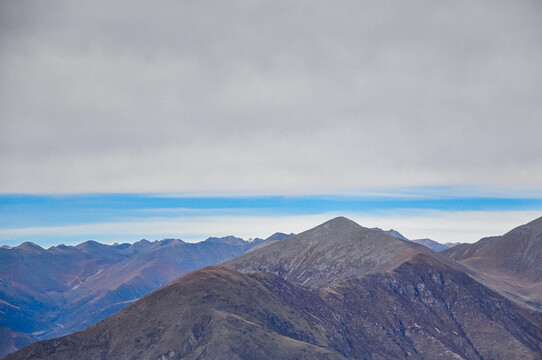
[(432, 244), (45, 293), (337, 291)]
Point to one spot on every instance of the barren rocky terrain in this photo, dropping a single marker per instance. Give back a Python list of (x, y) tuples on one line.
[(406, 302)]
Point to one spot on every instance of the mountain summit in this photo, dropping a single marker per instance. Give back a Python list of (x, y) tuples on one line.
[(335, 250)]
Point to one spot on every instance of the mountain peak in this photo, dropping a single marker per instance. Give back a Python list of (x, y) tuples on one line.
[(340, 222), (278, 236), (30, 246), (166, 243), (230, 239), (338, 227), (89, 244), (335, 250)]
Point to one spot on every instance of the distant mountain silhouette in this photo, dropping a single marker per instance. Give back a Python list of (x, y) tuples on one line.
[(273, 238), (337, 291), (432, 244), (54, 292)]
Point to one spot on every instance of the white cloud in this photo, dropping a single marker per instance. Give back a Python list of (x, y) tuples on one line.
[(442, 226), (276, 98), (450, 226)]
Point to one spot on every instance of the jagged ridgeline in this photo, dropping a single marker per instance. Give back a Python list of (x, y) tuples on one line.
[(337, 291)]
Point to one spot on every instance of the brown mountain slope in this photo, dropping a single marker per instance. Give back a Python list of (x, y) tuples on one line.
[(212, 313), (46, 293), (511, 263), (426, 310), (335, 250), (422, 310)]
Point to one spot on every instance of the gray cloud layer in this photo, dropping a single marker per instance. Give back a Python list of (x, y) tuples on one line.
[(269, 97)]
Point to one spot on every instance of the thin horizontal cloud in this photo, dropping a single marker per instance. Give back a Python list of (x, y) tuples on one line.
[(53, 210), (443, 226)]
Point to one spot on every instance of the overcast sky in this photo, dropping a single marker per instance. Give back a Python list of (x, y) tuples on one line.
[(50, 220), (208, 102), (245, 97)]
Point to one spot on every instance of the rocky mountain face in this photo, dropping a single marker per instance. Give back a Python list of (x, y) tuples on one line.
[(431, 244), (54, 292), (511, 263), (402, 302), (336, 250)]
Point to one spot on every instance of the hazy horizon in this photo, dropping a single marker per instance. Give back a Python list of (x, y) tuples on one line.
[(71, 219), (354, 100)]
